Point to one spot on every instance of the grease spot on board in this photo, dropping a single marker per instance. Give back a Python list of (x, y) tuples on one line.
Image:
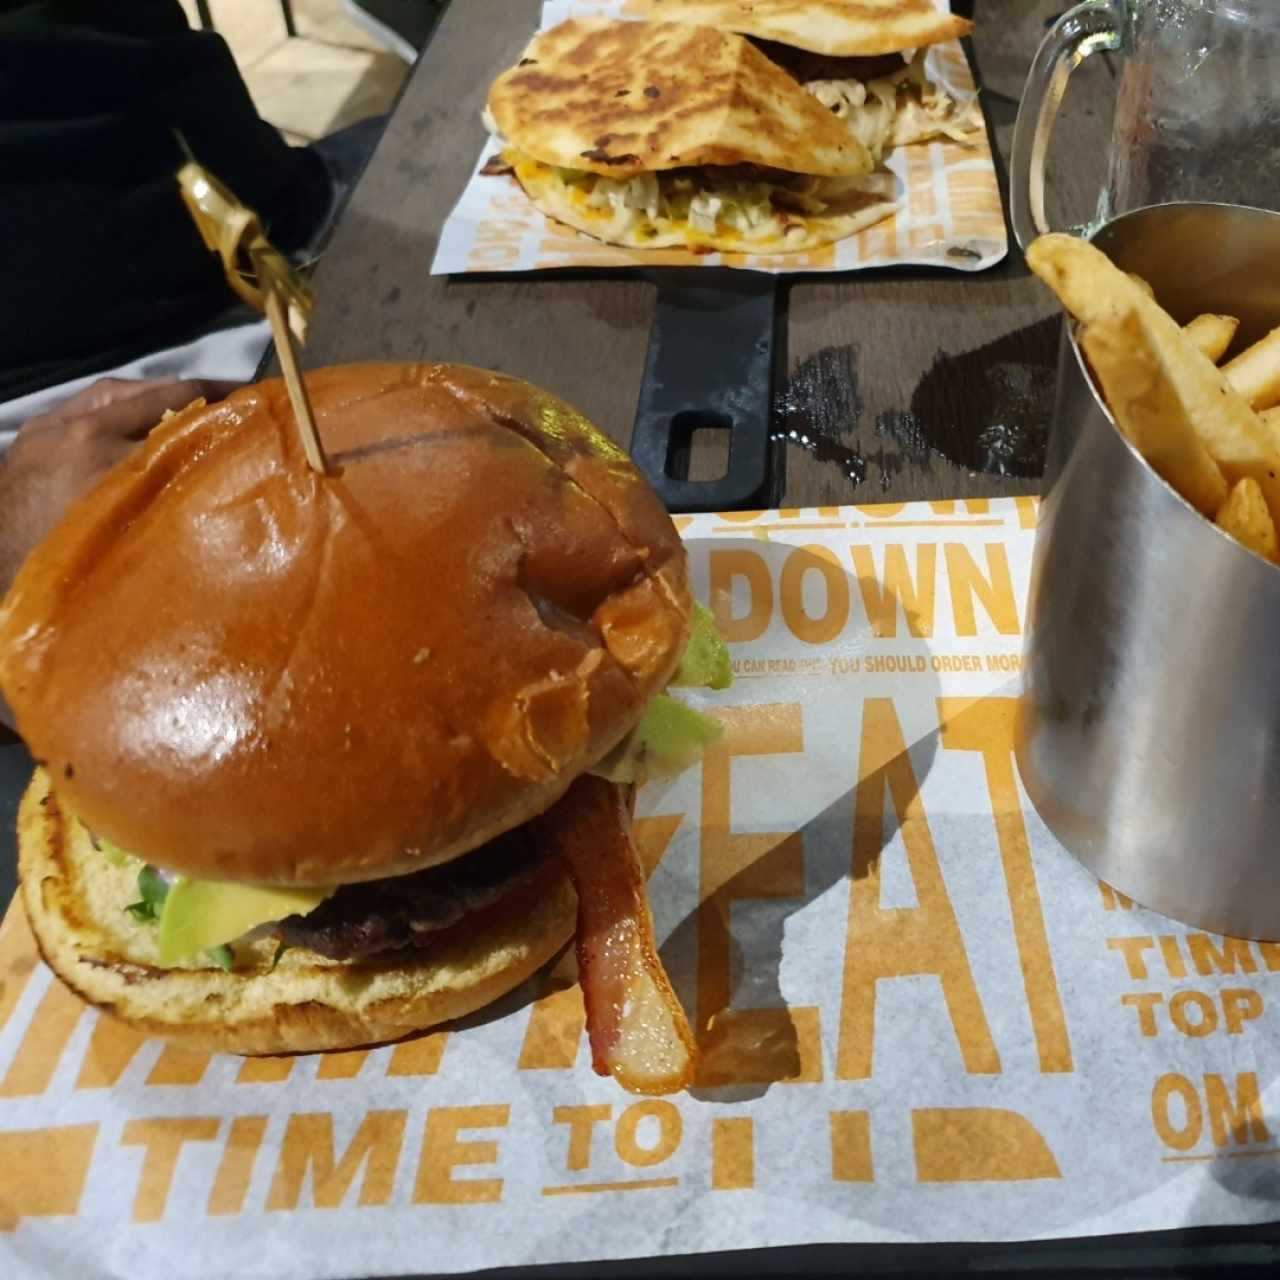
[(819, 410), (987, 409), (905, 430), (910, 444)]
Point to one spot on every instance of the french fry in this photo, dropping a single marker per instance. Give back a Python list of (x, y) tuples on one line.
[(1212, 334), (1145, 404), (1270, 419), (1255, 373), (1245, 517), (1207, 406)]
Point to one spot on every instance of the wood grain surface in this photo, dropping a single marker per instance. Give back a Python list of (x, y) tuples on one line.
[(905, 383)]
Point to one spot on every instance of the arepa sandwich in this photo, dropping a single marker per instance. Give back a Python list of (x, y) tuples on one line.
[(652, 135), (864, 60)]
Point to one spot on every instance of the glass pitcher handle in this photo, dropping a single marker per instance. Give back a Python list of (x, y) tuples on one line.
[(1089, 27)]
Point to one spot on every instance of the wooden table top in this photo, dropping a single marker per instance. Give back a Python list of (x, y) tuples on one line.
[(938, 380)]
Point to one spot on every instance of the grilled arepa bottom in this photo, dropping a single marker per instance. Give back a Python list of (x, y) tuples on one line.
[(75, 898)]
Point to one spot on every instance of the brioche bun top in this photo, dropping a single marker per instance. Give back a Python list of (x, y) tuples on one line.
[(237, 669)]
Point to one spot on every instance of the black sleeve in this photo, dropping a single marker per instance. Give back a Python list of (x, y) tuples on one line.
[(100, 259)]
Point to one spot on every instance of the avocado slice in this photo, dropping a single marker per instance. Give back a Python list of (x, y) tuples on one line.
[(670, 737), (199, 915), (705, 663), (113, 853)]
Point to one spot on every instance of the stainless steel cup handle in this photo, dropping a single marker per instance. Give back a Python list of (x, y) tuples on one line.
[(1093, 25)]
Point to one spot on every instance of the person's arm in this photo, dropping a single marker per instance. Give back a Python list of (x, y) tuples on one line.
[(57, 456)]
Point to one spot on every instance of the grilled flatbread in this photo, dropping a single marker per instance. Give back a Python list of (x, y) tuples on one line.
[(843, 28), (624, 98)]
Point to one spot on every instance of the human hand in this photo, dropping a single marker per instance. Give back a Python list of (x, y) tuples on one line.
[(58, 455)]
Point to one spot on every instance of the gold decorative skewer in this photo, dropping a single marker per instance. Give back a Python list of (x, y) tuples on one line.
[(263, 277)]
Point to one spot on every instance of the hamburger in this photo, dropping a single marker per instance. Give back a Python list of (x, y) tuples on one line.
[(324, 761), (653, 135)]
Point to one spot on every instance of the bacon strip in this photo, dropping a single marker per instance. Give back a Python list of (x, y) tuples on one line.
[(637, 1029)]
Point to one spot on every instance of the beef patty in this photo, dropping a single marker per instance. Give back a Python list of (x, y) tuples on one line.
[(363, 921)]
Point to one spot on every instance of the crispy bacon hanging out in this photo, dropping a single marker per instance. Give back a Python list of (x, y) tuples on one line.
[(638, 1031)]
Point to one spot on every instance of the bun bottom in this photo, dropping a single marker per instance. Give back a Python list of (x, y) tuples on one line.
[(75, 898)]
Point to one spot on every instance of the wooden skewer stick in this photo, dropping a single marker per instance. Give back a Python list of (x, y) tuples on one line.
[(288, 353), (234, 232)]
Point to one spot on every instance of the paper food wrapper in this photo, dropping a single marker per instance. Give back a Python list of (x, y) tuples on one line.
[(949, 211), (920, 1019)]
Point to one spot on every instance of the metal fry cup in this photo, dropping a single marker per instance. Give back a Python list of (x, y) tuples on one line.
[(1149, 723)]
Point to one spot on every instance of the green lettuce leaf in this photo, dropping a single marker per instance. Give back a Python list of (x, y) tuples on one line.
[(670, 737), (152, 892), (705, 664)]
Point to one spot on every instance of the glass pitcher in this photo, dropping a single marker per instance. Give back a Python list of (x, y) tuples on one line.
[(1197, 114)]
